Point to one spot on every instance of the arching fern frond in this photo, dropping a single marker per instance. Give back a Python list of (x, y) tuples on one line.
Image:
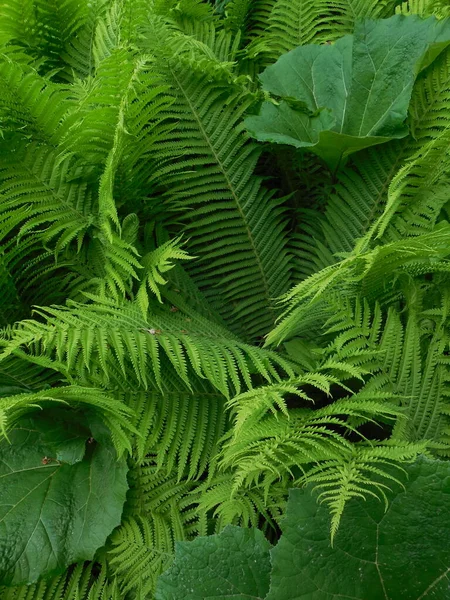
[(115, 415), (44, 28), (367, 271), (231, 220), (78, 339)]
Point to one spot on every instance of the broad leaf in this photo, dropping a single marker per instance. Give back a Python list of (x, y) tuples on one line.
[(61, 495), (233, 565), (341, 98), (400, 554)]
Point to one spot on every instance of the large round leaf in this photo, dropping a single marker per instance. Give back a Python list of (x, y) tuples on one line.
[(61, 495), (399, 554)]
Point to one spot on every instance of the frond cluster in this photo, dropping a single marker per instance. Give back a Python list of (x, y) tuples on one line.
[(241, 319)]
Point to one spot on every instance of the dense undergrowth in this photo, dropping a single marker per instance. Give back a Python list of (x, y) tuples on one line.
[(224, 258)]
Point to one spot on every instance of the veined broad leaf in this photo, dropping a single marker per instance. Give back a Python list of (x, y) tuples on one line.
[(234, 564), (402, 553), (338, 99), (60, 497)]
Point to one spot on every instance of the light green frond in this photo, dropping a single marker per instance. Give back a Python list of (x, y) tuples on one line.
[(35, 195), (180, 427), (44, 28), (366, 271), (156, 263), (240, 507), (79, 337)]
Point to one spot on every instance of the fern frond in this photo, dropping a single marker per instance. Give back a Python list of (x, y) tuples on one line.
[(82, 582), (156, 263), (160, 511), (231, 220), (180, 427), (35, 195), (114, 414), (44, 28), (29, 103), (299, 22), (276, 446), (79, 338), (243, 507), (368, 271)]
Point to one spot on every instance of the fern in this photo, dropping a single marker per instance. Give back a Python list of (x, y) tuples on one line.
[(81, 583), (149, 248), (215, 172)]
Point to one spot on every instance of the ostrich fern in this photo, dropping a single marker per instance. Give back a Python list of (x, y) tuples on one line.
[(229, 318)]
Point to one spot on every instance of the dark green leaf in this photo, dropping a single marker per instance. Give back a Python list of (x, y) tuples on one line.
[(400, 554), (56, 507), (234, 565)]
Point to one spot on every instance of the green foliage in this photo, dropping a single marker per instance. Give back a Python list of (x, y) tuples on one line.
[(229, 318), (62, 495), (240, 563), (234, 563), (338, 99)]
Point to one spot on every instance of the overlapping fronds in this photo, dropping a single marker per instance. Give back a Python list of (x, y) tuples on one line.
[(299, 22), (212, 190), (78, 338), (83, 582), (180, 427), (371, 272), (44, 29), (161, 511), (148, 247), (30, 103)]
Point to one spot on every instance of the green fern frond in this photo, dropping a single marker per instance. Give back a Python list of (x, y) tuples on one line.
[(278, 446), (368, 271), (230, 219), (43, 28), (156, 263), (181, 428), (299, 22), (82, 582), (29, 103), (35, 195), (80, 336), (160, 511), (244, 507)]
